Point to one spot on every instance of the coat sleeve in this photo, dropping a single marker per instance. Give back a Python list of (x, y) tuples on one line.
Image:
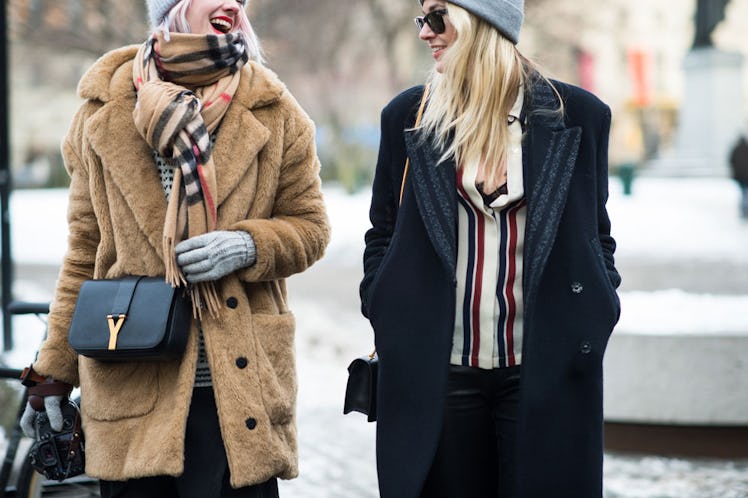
[(603, 225), (397, 116), (297, 231), (382, 213), (56, 358)]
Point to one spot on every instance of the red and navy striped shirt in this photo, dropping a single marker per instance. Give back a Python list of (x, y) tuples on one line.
[(489, 311)]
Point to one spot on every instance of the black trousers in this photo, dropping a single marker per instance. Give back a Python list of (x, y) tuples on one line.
[(206, 472), (476, 456)]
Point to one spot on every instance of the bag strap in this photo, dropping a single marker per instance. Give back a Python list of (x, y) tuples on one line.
[(76, 439), (123, 298), (418, 121)]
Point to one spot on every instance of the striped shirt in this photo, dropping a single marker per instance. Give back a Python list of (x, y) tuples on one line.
[(490, 240)]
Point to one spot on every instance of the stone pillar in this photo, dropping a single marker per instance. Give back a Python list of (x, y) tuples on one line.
[(711, 117)]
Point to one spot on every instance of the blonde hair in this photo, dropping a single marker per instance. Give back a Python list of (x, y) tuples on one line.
[(471, 100), (176, 21)]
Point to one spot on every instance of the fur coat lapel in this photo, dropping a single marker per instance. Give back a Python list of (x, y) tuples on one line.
[(115, 140)]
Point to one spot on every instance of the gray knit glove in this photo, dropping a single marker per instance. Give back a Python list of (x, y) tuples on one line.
[(215, 254), (54, 413)]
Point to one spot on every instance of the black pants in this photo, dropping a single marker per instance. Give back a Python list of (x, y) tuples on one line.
[(206, 472), (476, 456)]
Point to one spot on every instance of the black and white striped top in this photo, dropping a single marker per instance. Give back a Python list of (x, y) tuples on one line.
[(202, 371)]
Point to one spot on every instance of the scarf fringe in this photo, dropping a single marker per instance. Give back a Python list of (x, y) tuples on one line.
[(204, 295), (174, 275)]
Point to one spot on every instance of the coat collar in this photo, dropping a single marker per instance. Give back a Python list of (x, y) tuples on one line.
[(549, 155), (128, 160), (434, 185)]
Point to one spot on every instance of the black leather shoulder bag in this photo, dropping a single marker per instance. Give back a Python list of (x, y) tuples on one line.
[(132, 318)]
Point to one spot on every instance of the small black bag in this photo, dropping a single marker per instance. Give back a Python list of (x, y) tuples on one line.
[(59, 455), (361, 390), (130, 319)]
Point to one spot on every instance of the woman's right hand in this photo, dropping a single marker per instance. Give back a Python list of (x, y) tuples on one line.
[(45, 394), (53, 407)]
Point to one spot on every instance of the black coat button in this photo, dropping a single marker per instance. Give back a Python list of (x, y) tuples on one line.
[(232, 302), (585, 347), (241, 362), (251, 423)]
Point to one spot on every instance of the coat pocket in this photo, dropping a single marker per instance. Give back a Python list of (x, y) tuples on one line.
[(116, 391), (597, 253), (381, 270), (274, 335)]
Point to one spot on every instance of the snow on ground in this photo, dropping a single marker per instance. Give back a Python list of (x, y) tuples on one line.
[(679, 218), (672, 311)]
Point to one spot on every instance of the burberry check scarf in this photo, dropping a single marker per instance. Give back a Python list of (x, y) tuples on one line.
[(184, 88)]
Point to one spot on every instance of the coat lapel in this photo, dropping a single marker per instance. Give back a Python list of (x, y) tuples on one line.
[(549, 156), (241, 135), (436, 195), (127, 159), (240, 138)]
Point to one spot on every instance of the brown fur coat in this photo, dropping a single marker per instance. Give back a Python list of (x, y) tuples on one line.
[(134, 414)]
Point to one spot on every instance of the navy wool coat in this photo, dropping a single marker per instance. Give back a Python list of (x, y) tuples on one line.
[(569, 288)]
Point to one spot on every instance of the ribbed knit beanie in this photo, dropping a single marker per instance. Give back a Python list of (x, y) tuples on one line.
[(504, 15), (157, 10)]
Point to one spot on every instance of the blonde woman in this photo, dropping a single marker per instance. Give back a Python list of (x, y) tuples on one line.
[(490, 285), (189, 159)]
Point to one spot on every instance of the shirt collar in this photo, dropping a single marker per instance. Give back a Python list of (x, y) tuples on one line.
[(516, 111)]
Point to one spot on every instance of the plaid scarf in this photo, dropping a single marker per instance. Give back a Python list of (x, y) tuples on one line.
[(184, 88)]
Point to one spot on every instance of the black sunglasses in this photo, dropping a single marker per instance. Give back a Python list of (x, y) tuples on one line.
[(435, 20)]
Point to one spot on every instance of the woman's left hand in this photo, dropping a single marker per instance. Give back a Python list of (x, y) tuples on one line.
[(215, 254)]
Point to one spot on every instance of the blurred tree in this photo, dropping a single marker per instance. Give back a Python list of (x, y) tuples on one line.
[(52, 42), (342, 60), (92, 26), (392, 20)]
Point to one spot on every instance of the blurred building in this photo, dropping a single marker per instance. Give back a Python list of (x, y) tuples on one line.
[(630, 53)]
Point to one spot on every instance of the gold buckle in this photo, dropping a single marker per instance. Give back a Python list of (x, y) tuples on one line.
[(114, 329)]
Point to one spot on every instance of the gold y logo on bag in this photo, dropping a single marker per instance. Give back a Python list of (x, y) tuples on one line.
[(114, 329)]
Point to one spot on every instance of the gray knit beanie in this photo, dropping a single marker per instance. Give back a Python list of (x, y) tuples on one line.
[(157, 10), (504, 15)]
